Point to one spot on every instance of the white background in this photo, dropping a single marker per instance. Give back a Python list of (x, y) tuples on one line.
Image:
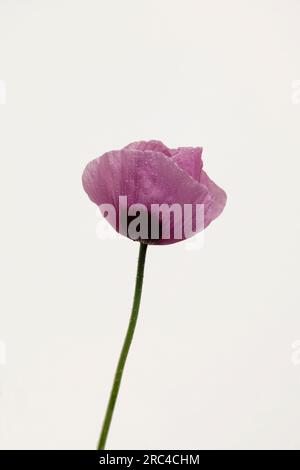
[(215, 362)]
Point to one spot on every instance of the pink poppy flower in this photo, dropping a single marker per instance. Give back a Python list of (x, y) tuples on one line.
[(149, 174)]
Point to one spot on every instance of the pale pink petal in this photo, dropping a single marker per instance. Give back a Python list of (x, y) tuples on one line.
[(145, 177), (154, 145), (218, 199), (189, 159)]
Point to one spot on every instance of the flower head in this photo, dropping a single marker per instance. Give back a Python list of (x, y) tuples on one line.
[(157, 195)]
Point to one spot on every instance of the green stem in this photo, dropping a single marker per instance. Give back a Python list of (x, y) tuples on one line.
[(125, 349)]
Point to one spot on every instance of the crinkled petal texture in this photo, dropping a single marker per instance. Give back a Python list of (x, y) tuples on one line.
[(150, 174)]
